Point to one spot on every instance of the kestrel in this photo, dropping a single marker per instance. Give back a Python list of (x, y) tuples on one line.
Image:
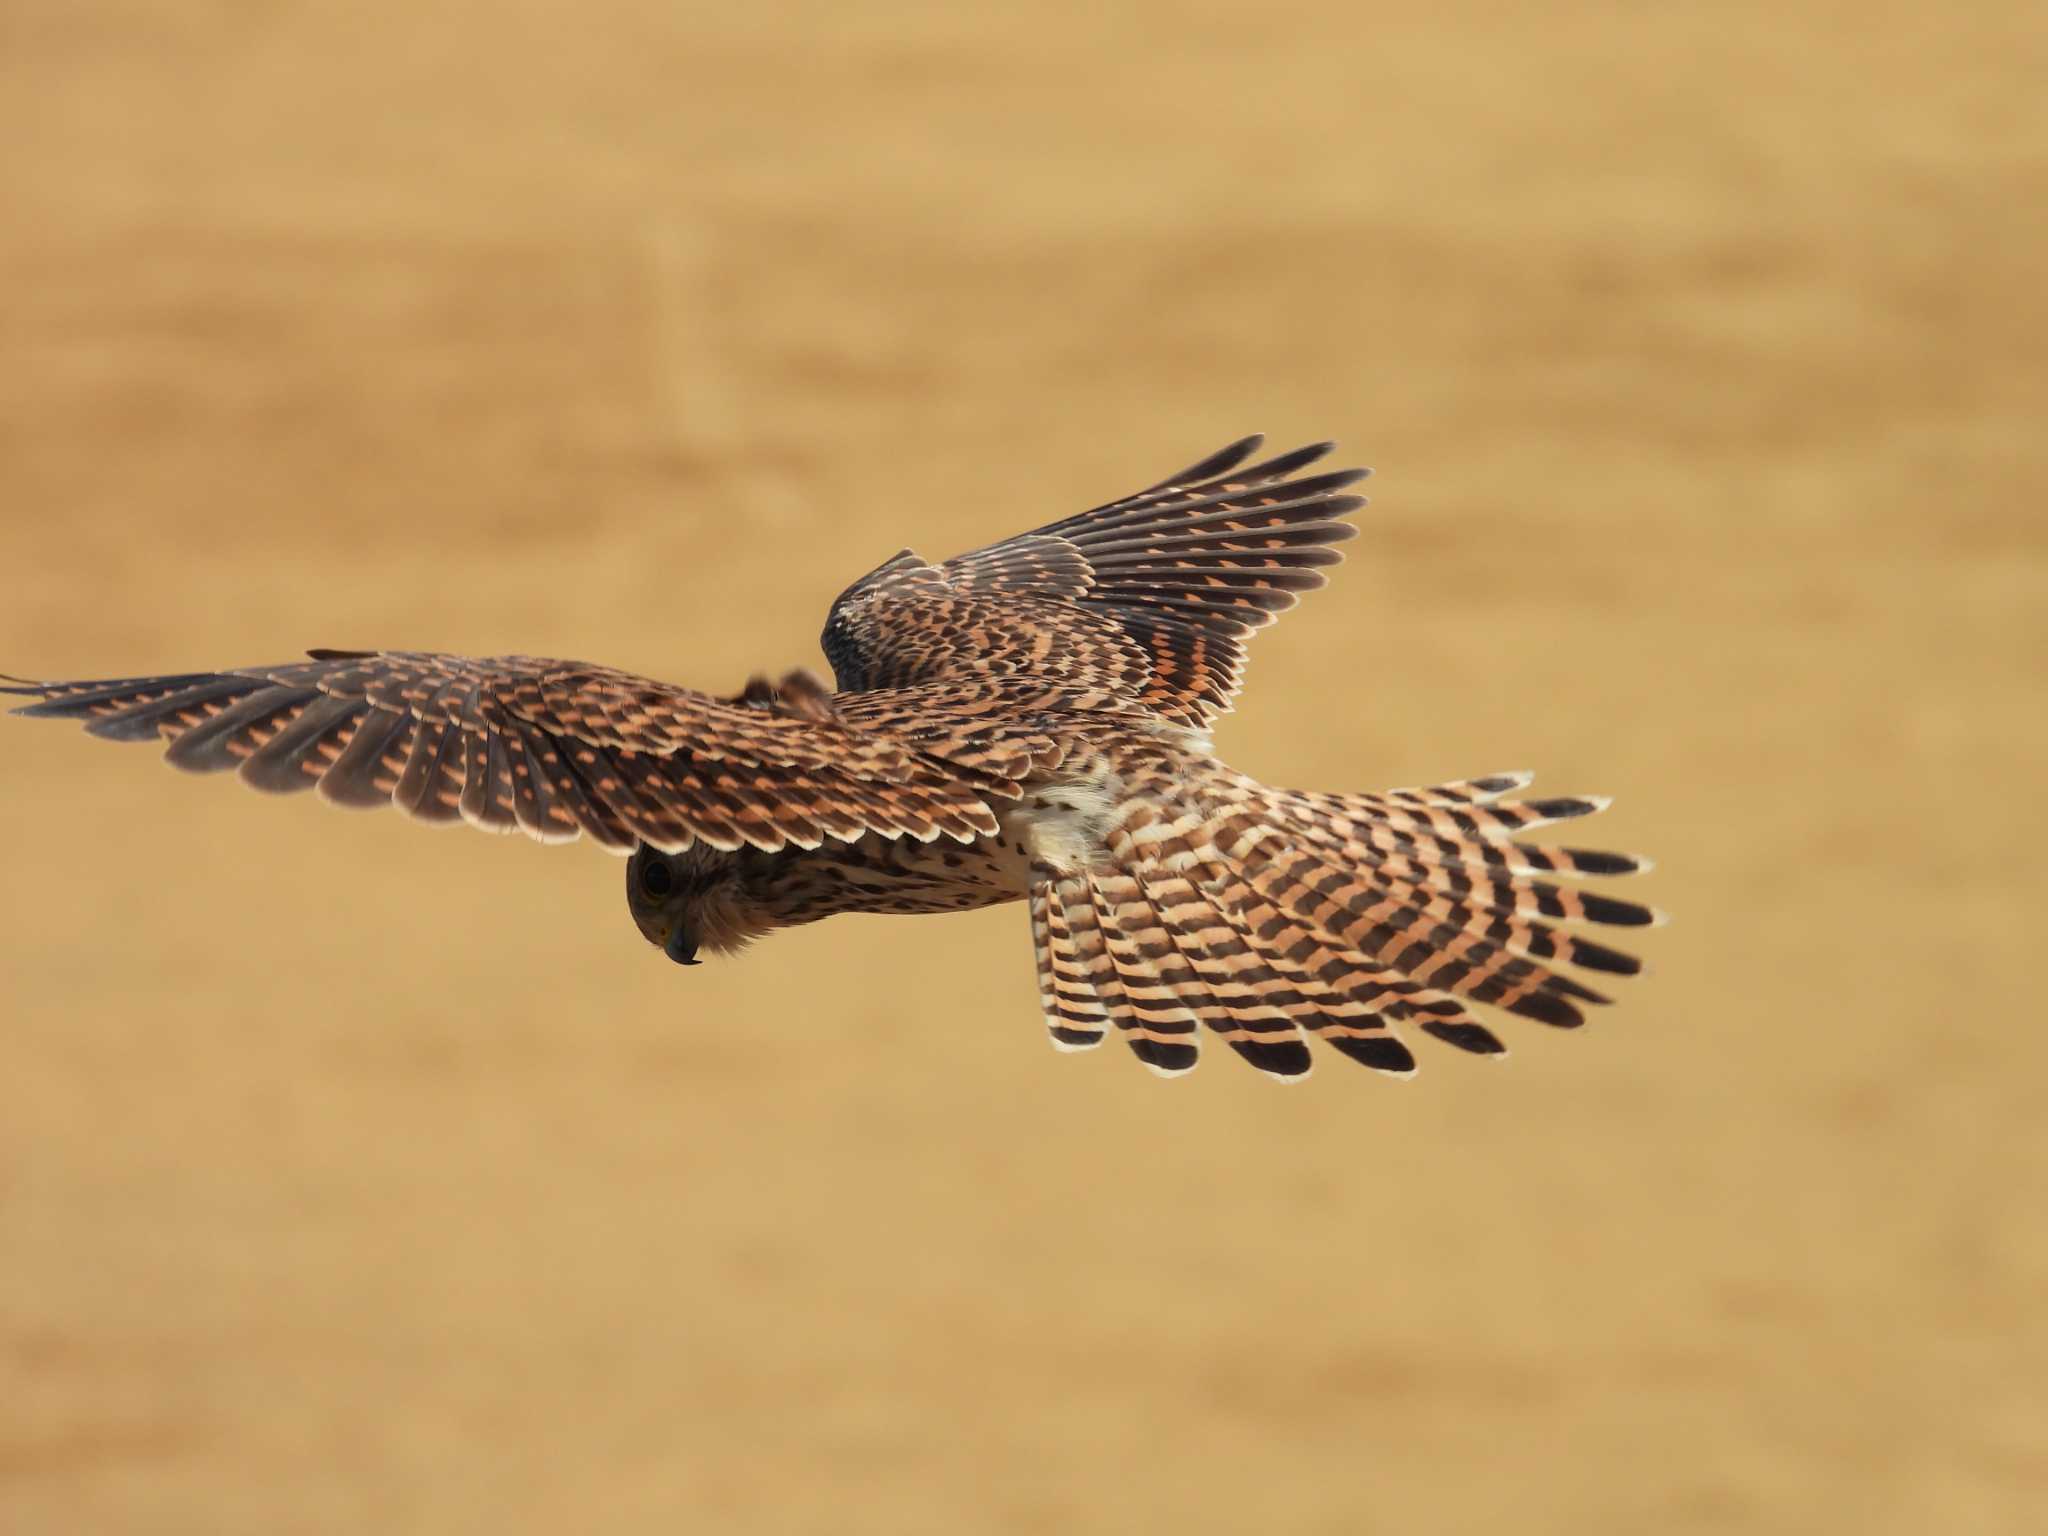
[(1026, 722)]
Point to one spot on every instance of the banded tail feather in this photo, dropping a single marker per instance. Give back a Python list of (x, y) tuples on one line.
[(1160, 1020), (1076, 1018), (1233, 989), (1269, 917), (1433, 888)]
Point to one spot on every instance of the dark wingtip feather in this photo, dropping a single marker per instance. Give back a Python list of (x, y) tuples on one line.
[(68, 701), (1329, 480), (128, 725), (148, 717), (1222, 460), (1284, 464)]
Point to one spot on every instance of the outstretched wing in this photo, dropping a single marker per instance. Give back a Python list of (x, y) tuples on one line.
[(1149, 598), (550, 748)]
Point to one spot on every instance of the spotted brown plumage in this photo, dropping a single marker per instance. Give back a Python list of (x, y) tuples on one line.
[(1027, 721)]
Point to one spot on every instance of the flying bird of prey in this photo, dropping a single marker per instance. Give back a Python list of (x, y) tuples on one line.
[(1026, 722)]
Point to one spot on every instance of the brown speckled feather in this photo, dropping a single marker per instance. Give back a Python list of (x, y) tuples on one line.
[(1149, 598), (559, 749)]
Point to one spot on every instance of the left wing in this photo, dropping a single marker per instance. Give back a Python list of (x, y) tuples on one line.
[(554, 749)]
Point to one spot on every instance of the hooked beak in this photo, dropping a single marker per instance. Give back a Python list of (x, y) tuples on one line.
[(682, 946)]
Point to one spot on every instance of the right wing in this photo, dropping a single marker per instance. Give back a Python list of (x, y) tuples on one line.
[(1148, 599)]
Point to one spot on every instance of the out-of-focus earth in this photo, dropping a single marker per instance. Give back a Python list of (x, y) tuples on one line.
[(357, 1177)]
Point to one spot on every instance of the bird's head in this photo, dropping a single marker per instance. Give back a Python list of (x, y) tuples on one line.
[(693, 900)]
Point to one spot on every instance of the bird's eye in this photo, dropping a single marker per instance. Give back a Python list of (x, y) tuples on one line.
[(657, 879)]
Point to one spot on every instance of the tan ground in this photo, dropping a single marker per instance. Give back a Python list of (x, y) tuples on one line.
[(359, 1179)]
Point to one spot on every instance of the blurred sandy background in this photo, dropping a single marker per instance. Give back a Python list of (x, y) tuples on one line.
[(358, 1178)]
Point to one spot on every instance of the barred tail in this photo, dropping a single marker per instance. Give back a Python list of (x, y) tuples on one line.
[(1265, 917)]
